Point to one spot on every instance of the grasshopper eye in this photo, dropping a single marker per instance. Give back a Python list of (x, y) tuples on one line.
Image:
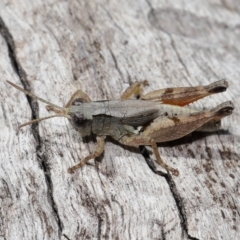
[(78, 101), (78, 119)]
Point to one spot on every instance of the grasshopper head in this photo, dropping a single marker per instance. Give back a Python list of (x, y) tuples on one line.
[(78, 118)]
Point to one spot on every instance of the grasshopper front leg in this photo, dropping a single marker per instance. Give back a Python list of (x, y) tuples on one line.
[(80, 96), (165, 129), (135, 88), (98, 151)]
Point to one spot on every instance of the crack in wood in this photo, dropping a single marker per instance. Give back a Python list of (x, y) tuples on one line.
[(172, 186), (35, 130)]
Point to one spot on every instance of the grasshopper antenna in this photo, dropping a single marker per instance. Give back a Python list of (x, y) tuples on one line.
[(34, 96), (41, 119), (50, 106)]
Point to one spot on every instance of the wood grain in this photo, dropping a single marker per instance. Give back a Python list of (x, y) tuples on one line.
[(54, 48)]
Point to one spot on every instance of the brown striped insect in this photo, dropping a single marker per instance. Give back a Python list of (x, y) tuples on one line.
[(158, 116)]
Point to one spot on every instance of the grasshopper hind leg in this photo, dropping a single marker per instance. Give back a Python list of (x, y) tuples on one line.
[(210, 126), (164, 129), (185, 95)]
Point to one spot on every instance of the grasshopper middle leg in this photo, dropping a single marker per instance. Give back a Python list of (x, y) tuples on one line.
[(161, 162)]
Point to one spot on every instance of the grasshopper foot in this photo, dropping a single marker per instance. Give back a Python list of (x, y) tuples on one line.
[(175, 172), (49, 108), (71, 170)]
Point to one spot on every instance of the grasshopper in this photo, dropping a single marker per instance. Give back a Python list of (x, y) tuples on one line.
[(158, 116)]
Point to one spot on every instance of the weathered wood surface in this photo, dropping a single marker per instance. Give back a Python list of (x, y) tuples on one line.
[(56, 47)]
